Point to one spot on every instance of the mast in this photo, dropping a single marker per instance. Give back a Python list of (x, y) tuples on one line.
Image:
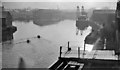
[(78, 12), (82, 10)]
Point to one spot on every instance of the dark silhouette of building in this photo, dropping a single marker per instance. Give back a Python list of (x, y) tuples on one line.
[(118, 29), (6, 28), (106, 18), (101, 15)]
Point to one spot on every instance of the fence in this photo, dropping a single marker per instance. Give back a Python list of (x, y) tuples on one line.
[(76, 52)]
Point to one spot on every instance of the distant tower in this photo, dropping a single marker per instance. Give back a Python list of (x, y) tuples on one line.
[(78, 12), (83, 11)]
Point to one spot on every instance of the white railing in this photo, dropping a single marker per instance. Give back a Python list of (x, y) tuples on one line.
[(79, 52)]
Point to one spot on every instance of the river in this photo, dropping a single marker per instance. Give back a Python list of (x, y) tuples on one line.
[(59, 33), (41, 53)]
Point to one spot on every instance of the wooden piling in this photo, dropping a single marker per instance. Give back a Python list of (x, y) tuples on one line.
[(69, 49), (78, 52), (60, 51), (68, 45)]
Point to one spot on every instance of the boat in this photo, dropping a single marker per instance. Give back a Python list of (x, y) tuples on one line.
[(105, 58), (83, 22)]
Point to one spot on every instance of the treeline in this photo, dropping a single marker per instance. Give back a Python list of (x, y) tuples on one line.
[(42, 16)]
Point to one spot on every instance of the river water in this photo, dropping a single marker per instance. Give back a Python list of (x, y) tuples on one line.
[(41, 53), (59, 33)]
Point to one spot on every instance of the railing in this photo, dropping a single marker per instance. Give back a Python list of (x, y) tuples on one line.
[(77, 52), (67, 49)]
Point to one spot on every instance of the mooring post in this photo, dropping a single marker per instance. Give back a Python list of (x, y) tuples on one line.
[(69, 46), (78, 52), (84, 49), (60, 51)]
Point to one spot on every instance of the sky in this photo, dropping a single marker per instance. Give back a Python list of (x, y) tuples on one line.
[(59, 0), (61, 4)]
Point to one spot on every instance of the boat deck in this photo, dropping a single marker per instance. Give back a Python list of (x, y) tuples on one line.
[(86, 60), (85, 64), (95, 54)]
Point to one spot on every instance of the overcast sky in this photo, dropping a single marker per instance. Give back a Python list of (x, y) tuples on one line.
[(59, 0), (61, 4)]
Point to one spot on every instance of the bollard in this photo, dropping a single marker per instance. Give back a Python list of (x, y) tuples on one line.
[(78, 52)]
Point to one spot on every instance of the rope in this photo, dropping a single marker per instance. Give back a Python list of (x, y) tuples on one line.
[(24, 40)]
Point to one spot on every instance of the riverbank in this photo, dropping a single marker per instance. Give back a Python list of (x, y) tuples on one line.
[(42, 17)]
